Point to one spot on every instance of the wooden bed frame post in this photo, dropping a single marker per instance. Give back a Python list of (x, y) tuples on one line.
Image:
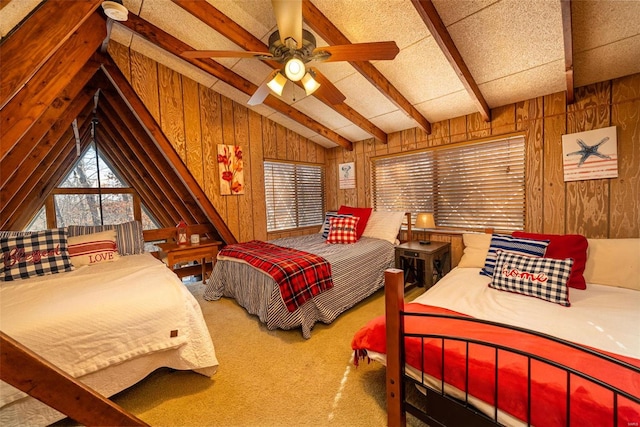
[(32, 374), (394, 305)]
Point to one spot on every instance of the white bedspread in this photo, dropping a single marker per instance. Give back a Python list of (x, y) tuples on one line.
[(101, 315), (603, 317)]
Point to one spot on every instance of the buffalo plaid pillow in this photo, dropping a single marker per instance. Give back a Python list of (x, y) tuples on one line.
[(544, 278), (343, 230), (35, 254), (326, 224)]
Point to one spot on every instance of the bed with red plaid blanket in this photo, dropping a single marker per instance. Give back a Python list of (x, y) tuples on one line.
[(300, 275)]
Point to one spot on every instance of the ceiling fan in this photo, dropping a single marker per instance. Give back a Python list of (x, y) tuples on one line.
[(294, 47)]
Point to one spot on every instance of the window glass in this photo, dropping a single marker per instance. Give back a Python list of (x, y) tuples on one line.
[(91, 173), (294, 195), (39, 222)]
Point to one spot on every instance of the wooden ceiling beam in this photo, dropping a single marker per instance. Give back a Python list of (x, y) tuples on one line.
[(144, 151), (174, 46), (18, 185), (440, 34), (230, 29), (26, 107), (18, 211), (33, 44), (136, 176), (567, 35), (66, 107), (332, 35), (132, 142)]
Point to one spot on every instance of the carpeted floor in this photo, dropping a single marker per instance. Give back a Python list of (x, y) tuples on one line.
[(269, 378)]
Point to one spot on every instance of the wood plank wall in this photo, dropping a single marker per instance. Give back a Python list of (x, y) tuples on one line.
[(195, 119), (604, 208)]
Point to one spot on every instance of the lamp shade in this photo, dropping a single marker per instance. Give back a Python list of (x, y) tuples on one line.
[(425, 220), (310, 84), (277, 83)]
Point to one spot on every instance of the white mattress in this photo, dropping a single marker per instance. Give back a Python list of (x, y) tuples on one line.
[(101, 316), (602, 317)]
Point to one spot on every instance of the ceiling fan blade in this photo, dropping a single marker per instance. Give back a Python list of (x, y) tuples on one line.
[(327, 90), (360, 51), (263, 90), (289, 19), (224, 54)]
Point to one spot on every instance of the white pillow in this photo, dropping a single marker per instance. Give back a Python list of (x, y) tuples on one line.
[(94, 248), (476, 248), (613, 262), (384, 225)]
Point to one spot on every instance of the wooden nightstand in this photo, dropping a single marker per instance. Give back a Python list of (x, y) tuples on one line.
[(176, 254), (423, 262)]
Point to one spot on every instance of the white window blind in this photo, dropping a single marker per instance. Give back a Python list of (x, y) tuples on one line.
[(470, 186), (294, 195)]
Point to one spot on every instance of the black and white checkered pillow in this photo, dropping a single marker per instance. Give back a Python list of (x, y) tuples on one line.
[(543, 278), (35, 254), (129, 237)]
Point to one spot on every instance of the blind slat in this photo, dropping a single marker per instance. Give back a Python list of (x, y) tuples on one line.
[(294, 195), (474, 186)]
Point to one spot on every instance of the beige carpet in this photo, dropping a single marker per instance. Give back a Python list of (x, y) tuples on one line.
[(269, 378)]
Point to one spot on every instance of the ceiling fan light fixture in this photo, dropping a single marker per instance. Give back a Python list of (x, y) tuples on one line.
[(276, 84), (295, 69), (310, 84)]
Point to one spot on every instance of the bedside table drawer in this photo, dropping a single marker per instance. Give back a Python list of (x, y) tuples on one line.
[(411, 254)]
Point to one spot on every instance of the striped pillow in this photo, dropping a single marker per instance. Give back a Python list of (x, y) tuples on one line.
[(91, 249), (526, 247), (543, 278), (34, 254), (129, 236)]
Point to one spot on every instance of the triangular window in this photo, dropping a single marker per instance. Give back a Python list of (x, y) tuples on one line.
[(92, 171)]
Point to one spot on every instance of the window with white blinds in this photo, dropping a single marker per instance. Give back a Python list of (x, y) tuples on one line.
[(469, 186), (294, 195)]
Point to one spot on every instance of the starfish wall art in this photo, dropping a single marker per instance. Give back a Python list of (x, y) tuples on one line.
[(590, 155)]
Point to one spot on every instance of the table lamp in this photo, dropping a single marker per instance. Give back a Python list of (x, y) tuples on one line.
[(425, 220)]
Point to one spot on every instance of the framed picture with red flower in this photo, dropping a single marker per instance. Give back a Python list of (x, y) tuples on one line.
[(230, 169)]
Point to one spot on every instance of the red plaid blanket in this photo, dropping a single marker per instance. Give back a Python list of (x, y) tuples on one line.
[(300, 275)]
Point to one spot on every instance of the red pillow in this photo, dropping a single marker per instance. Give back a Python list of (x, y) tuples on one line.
[(563, 246), (362, 213), (343, 229)]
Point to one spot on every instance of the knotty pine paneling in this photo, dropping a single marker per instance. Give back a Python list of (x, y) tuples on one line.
[(171, 104), (192, 130), (625, 191), (144, 80), (595, 208)]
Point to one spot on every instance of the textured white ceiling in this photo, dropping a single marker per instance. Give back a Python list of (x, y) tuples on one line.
[(513, 49)]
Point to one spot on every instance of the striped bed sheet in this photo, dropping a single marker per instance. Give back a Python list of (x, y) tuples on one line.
[(357, 271)]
